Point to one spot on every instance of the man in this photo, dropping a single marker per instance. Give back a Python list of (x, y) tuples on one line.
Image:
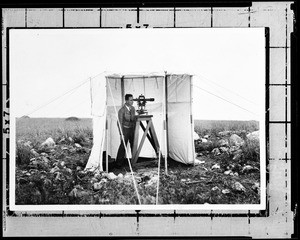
[(127, 121)]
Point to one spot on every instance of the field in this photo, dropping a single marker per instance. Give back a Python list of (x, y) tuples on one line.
[(226, 170)]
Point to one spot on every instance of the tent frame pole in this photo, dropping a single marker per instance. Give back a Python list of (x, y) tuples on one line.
[(166, 123), (107, 140)]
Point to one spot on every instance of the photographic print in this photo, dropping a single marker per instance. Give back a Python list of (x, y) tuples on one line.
[(147, 118)]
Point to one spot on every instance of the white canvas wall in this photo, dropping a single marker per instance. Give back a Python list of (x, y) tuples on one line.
[(180, 124)]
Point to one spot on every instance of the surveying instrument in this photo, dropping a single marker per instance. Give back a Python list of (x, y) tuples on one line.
[(149, 130)]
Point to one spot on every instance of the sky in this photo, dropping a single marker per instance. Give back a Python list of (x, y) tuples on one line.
[(47, 66)]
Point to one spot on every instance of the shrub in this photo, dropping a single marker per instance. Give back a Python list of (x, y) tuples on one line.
[(23, 154), (74, 119)]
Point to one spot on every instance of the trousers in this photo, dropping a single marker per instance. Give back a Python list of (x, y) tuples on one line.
[(128, 136)]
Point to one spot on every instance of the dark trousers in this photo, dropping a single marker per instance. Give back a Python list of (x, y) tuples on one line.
[(128, 136)]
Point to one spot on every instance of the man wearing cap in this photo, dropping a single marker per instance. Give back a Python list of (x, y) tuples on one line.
[(127, 122)]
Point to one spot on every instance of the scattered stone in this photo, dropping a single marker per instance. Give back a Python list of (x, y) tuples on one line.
[(237, 157), (236, 174), (62, 163), (183, 180), (196, 136), (111, 176), (103, 180), (120, 175), (238, 187), (78, 145), (204, 140), (232, 149), (227, 172), (224, 149), (70, 139), (69, 170), (78, 168), (224, 133), (225, 191), (48, 143), (97, 186), (55, 169), (27, 144), (216, 166), (34, 153), (254, 136), (216, 151), (235, 140), (255, 187), (223, 142), (215, 188), (198, 162)]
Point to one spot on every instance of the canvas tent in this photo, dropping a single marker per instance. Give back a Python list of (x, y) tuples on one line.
[(171, 110)]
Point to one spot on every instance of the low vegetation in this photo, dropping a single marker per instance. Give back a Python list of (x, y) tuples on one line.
[(53, 173)]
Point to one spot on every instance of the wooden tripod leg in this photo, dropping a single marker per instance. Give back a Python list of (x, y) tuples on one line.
[(137, 153), (154, 138), (135, 140)]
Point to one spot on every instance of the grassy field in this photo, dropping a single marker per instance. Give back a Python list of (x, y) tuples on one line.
[(55, 175)]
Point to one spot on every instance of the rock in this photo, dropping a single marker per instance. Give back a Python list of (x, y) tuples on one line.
[(195, 136), (120, 175), (216, 151), (111, 176), (55, 169), (224, 133), (183, 180), (232, 149), (48, 143), (44, 154), (62, 163), (254, 136), (204, 140), (225, 191), (216, 166), (215, 188), (103, 180), (224, 149), (34, 152), (223, 143), (255, 187), (206, 136), (97, 186), (235, 140), (27, 144), (236, 174), (238, 187), (198, 162), (227, 172), (78, 168), (237, 157), (69, 170), (70, 139), (78, 145)]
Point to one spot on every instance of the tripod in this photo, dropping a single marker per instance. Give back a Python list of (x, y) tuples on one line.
[(149, 131)]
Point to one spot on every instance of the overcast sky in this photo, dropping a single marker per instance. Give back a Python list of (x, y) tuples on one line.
[(228, 65)]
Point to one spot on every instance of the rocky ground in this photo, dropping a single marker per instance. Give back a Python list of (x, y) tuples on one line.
[(226, 171)]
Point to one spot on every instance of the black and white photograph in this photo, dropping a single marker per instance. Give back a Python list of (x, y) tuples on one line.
[(137, 118)]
